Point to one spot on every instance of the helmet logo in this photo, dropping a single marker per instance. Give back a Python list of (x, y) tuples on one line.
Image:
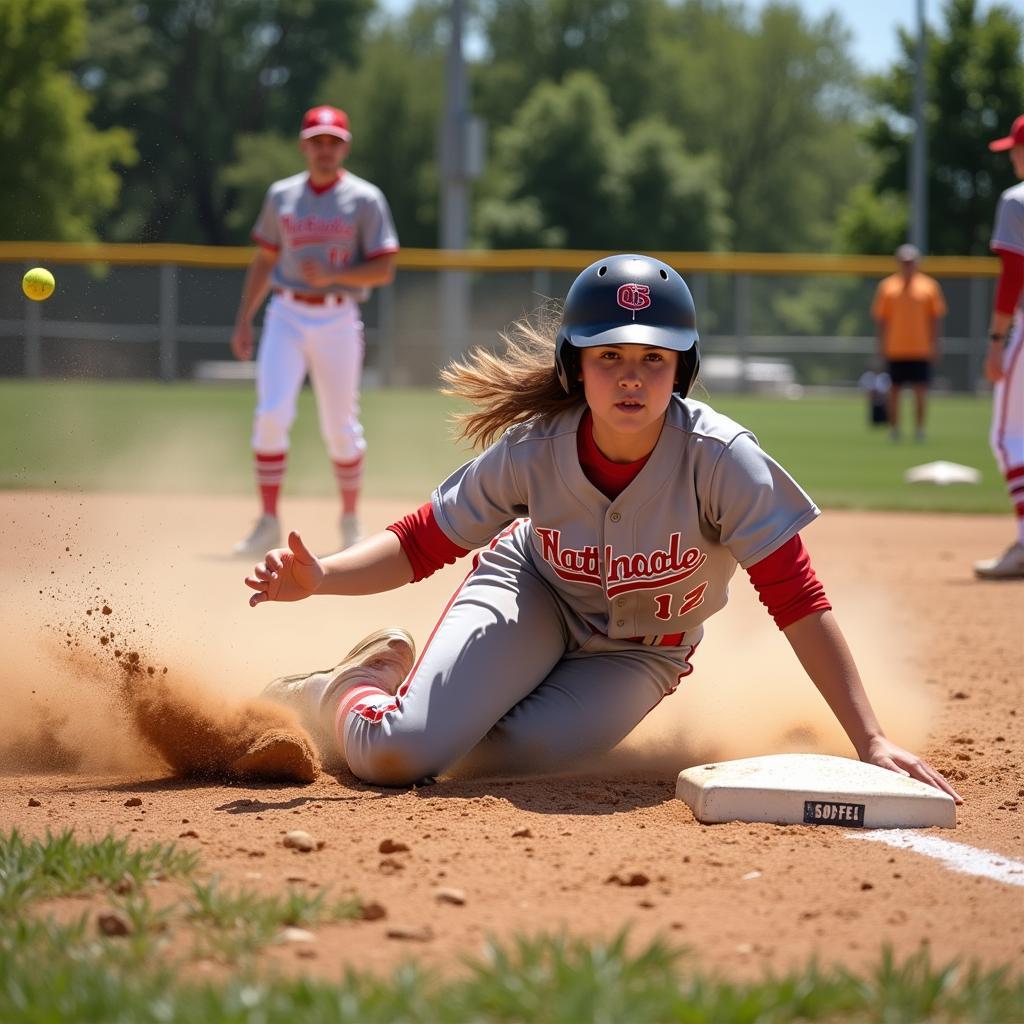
[(633, 296)]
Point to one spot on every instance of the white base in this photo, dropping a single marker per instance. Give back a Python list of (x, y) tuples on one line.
[(812, 789)]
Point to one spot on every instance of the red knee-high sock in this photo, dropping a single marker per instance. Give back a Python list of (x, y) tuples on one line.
[(1015, 488), (350, 481), (269, 474)]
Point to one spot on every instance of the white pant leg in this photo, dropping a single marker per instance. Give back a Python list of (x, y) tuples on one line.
[(280, 370), (1007, 432), (334, 347)]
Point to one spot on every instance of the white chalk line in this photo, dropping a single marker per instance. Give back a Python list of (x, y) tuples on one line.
[(968, 860)]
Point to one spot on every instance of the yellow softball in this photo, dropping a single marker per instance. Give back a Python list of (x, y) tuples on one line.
[(38, 284)]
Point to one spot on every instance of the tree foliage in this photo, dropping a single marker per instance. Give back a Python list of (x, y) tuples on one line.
[(772, 98), (188, 77), (612, 123), (565, 174), (57, 172), (975, 88)]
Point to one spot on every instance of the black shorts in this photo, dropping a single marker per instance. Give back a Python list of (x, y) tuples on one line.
[(910, 371)]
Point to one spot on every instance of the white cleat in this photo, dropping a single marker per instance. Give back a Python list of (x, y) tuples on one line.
[(381, 659), (266, 534), (1009, 565), (350, 531)]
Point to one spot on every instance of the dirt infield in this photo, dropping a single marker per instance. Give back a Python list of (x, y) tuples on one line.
[(101, 594)]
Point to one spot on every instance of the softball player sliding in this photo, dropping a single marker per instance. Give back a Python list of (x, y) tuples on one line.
[(1004, 363), (612, 511), (324, 238)]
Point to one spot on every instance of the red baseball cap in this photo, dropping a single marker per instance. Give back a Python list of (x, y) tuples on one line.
[(325, 121), (1015, 138)]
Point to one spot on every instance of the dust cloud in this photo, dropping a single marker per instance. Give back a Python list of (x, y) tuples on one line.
[(87, 697), (749, 695)]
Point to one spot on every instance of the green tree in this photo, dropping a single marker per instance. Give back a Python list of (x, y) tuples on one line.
[(774, 96), (555, 164), (565, 174), (187, 77), (975, 87), (57, 174)]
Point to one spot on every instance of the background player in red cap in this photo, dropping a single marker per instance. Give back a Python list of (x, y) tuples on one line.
[(1004, 362), (325, 237)]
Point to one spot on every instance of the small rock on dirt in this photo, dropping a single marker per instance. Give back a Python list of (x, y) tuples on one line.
[(522, 833), (392, 846), (133, 801), (372, 911), (628, 876), (33, 802), (424, 934), (296, 935), (115, 925), (456, 897), (299, 840)]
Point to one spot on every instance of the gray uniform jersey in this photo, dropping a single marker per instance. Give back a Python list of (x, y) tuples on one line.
[(657, 559), (346, 224)]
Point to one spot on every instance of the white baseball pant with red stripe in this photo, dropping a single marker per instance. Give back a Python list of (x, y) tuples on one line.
[(1007, 433), (326, 340), (510, 680)]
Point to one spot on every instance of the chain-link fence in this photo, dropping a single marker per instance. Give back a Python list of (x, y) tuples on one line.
[(167, 311)]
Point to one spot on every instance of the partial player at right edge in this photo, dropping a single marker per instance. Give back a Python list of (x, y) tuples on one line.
[(1004, 363)]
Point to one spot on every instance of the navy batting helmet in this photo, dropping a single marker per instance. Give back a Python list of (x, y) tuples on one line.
[(628, 300)]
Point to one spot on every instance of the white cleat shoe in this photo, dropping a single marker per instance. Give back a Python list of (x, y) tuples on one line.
[(350, 531), (381, 659), (266, 534), (1009, 565)]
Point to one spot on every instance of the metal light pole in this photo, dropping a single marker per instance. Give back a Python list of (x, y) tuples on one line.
[(454, 284), (918, 169)]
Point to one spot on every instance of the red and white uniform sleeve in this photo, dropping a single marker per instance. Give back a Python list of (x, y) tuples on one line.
[(787, 585), (424, 543)]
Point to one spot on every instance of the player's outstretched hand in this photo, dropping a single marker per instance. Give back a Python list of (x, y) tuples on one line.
[(286, 574), (886, 754)]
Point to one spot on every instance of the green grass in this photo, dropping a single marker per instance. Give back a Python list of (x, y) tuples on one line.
[(194, 438), (53, 971), (60, 865)]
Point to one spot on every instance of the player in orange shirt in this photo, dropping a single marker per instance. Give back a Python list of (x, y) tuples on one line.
[(908, 311)]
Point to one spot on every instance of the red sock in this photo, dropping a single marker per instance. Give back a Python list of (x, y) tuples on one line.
[(269, 474), (1015, 487), (350, 481)]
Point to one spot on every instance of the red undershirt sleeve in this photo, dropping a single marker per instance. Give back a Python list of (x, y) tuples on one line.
[(424, 543), (786, 584), (1011, 280)]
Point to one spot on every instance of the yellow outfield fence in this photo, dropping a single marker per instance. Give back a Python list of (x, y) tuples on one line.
[(213, 256), (768, 321)]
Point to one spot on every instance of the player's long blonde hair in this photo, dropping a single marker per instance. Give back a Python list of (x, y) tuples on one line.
[(512, 386)]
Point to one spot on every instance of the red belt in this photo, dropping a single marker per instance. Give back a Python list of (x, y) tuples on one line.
[(310, 297), (666, 640)]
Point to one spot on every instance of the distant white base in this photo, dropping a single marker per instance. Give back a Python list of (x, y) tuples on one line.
[(812, 789), (941, 473)]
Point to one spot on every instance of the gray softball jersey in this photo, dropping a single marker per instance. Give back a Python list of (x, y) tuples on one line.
[(655, 561), (344, 225)]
